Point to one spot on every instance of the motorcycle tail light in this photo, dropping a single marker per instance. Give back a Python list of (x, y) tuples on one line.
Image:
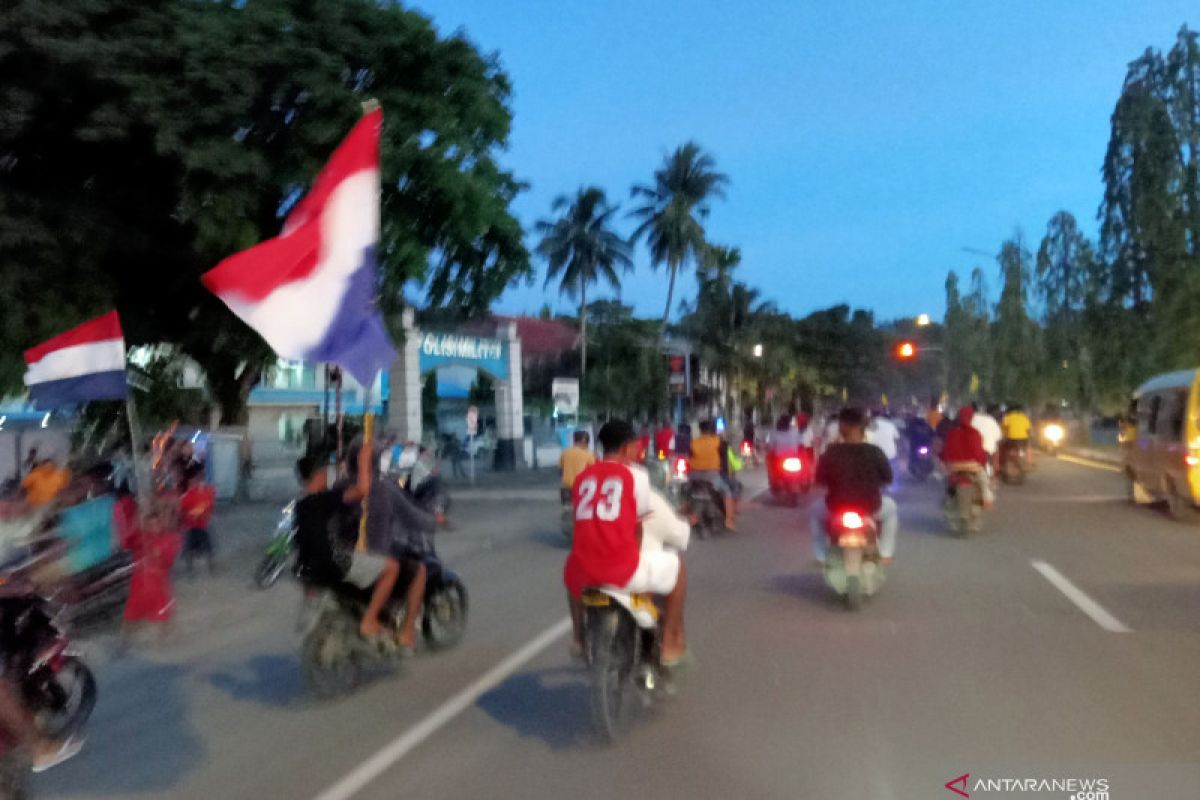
[(852, 521), (792, 464), (747, 449), (681, 468), (923, 450)]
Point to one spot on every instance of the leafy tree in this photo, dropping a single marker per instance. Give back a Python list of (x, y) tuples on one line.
[(629, 373), (142, 142), (1014, 334), (675, 207), (1067, 287), (581, 248)]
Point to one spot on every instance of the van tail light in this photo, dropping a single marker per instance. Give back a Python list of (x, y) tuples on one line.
[(792, 464)]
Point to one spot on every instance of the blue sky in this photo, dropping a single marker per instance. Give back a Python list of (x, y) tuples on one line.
[(868, 143)]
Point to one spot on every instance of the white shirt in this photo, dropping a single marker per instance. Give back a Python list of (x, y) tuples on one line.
[(882, 433), (661, 526), (989, 431)]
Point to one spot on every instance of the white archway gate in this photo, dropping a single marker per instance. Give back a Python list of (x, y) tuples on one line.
[(499, 356)]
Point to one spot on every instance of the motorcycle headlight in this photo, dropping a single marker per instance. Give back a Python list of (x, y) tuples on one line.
[(1054, 433)]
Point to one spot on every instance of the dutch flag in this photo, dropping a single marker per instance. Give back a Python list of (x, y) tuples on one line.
[(310, 291), (82, 364)]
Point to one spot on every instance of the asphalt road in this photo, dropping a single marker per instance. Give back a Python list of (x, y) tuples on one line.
[(970, 660)]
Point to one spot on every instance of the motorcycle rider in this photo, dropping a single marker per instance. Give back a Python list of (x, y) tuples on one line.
[(707, 457), (855, 473), (884, 434), (574, 460), (989, 430), (1016, 427), (615, 509), (964, 447)]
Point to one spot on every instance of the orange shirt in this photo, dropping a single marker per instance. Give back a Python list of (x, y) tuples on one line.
[(44, 484), (706, 454)]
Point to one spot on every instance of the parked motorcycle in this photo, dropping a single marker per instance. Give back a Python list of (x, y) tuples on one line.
[(279, 549), (852, 566), (623, 651), (334, 656), (964, 500)]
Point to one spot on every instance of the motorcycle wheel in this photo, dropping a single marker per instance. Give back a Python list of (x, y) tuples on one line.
[(329, 665), (610, 648), (964, 504), (64, 699), (444, 621), (852, 558), (270, 568)]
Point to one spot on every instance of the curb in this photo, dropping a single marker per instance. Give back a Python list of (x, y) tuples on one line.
[(1102, 456)]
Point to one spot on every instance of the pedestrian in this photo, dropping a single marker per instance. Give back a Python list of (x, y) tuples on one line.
[(195, 510), (154, 545)]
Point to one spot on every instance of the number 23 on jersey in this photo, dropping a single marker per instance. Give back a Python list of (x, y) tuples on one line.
[(601, 500)]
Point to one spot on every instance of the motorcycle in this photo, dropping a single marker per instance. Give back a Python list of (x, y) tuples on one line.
[(920, 462), (96, 595), (964, 500), (334, 656), (702, 501), (1013, 459), (623, 650), (58, 688), (677, 480), (279, 549), (852, 566), (749, 452), (789, 475)]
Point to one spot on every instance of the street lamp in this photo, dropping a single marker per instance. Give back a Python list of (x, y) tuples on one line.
[(758, 351), (923, 321)]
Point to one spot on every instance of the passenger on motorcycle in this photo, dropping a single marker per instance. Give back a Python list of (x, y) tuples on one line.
[(989, 430), (708, 452), (615, 509), (964, 447), (855, 474)]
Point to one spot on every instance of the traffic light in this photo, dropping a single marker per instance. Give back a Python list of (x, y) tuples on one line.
[(906, 351)]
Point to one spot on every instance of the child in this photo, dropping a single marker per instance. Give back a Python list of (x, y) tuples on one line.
[(195, 510)]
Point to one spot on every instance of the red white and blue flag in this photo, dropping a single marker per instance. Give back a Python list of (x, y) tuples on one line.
[(310, 292), (82, 364)]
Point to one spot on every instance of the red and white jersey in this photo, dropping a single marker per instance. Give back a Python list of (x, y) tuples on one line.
[(609, 499)]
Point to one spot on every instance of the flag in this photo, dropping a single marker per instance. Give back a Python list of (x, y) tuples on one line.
[(310, 291), (82, 364)]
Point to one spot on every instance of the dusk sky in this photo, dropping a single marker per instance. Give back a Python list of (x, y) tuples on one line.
[(868, 143)]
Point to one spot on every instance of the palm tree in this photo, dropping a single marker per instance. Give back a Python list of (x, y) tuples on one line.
[(580, 248), (675, 208)]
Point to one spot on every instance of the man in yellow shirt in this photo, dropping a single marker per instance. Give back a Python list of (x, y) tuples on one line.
[(707, 453), (574, 460), (44, 483), (1016, 427)]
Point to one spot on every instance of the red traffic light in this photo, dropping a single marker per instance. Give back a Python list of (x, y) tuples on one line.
[(906, 350)]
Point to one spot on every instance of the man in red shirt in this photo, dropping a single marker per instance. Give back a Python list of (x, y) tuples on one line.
[(964, 447), (195, 511), (611, 500), (663, 438)]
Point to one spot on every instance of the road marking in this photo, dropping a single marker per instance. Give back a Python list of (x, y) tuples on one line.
[(1076, 595), (1087, 462), (382, 761)]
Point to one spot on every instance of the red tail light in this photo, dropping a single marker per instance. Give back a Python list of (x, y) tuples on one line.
[(681, 467), (747, 448), (852, 521), (792, 464)]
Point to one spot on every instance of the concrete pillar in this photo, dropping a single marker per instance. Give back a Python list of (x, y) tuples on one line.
[(404, 403), (510, 405)]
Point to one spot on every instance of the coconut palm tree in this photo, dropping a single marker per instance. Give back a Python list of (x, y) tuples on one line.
[(675, 207), (581, 248)]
